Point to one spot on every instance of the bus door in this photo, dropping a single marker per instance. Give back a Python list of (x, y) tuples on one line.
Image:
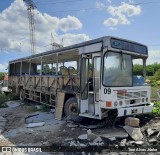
[(96, 80), (90, 82)]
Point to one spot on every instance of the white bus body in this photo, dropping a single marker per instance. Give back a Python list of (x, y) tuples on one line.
[(101, 85)]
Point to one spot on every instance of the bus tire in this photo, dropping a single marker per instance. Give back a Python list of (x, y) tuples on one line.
[(71, 110), (22, 95)]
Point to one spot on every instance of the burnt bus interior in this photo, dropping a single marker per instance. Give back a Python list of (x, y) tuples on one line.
[(39, 78)]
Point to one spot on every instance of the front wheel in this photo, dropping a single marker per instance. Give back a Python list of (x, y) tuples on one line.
[(71, 110)]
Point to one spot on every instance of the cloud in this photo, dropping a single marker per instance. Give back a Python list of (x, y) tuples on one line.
[(154, 56), (69, 39), (111, 22), (3, 67), (113, 28), (109, 1), (15, 26), (100, 5), (121, 14), (69, 23)]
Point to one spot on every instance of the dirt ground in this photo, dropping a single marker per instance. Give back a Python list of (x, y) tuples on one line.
[(56, 133)]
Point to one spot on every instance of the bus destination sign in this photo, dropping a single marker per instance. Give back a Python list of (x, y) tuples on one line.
[(128, 46)]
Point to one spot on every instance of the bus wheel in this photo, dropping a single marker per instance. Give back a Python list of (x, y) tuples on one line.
[(71, 110), (22, 95)]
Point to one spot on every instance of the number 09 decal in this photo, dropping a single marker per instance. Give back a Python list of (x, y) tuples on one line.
[(107, 91)]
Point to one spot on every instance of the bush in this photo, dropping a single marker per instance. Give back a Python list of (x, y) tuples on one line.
[(156, 110), (157, 75), (3, 99), (45, 108)]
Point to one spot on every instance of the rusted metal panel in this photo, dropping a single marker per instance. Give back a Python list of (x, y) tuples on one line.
[(59, 105)]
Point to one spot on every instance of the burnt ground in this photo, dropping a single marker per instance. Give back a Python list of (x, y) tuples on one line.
[(57, 133)]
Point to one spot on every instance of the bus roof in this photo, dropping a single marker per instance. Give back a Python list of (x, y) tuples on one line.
[(75, 46)]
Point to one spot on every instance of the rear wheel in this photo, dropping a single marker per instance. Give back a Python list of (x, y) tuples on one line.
[(22, 95), (71, 110)]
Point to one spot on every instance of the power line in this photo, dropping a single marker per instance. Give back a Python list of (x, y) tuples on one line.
[(47, 3), (86, 9)]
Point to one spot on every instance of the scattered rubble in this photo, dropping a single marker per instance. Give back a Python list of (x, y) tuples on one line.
[(83, 137), (131, 121), (72, 125), (68, 139), (72, 143), (99, 139), (152, 140), (150, 132), (32, 125), (139, 142), (96, 144), (116, 132), (135, 133), (112, 138), (123, 142)]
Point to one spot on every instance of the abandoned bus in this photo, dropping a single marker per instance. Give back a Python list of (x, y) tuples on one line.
[(92, 79)]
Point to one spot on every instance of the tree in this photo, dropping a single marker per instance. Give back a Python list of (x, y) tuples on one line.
[(138, 69), (150, 70), (46, 69), (1, 76)]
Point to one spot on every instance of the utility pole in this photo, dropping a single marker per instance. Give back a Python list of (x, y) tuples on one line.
[(54, 44), (30, 7)]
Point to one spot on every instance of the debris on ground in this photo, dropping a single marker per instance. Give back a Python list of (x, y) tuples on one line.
[(135, 133), (68, 133), (139, 142), (83, 137), (150, 132), (131, 121), (123, 142), (152, 140), (2, 123), (32, 125), (99, 139), (13, 104), (116, 132), (112, 138), (72, 125), (68, 139)]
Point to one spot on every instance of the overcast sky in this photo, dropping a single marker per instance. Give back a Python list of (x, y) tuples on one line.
[(77, 21)]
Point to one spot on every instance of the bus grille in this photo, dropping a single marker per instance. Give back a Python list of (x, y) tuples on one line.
[(131, 95)]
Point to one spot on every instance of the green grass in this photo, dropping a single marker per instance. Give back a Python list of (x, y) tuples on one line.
[(3, 99), (156, 110)]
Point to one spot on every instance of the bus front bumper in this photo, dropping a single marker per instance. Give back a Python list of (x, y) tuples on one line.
[(135, 110)]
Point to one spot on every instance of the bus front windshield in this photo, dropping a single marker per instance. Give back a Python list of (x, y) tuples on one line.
[(117, 70)]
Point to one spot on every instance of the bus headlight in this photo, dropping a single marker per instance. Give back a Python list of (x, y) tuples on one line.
[(115, 103)]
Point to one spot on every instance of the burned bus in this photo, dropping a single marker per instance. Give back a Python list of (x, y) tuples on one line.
[(92, 79)]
